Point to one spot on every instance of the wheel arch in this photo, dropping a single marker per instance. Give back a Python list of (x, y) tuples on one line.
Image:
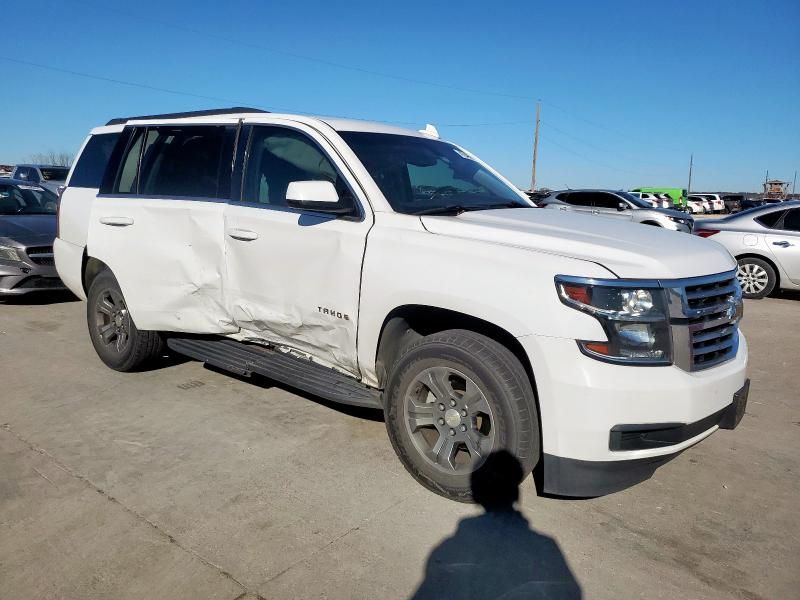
[(405, 324), (90, 269), (653, 223)]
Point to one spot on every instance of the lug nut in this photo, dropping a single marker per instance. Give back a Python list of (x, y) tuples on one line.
[(463, 428), (452, 402), (441, 421), (441, 407), (464, 412), (452, 432)]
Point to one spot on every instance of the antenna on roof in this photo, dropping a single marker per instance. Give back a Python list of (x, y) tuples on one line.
[(430, 130)]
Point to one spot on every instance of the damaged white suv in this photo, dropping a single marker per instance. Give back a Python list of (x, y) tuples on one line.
[(380, 267)]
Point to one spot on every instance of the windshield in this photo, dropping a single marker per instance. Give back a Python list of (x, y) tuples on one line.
[(54, 173), (419, 175), (635, 200), (26, 200)]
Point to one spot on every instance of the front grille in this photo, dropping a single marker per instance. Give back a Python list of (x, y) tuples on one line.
[(712, 311), (41, 255)]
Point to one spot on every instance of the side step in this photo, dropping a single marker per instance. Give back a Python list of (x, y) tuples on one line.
[(245, 359)]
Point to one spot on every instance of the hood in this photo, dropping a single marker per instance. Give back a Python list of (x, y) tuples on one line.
[(671, 212), (629, 250), (28, 229)]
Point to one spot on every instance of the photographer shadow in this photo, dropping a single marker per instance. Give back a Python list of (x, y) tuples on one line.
[(497, 554)]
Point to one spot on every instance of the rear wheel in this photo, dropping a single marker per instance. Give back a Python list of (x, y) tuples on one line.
[(115, 337), (454, 398), (757, 277)]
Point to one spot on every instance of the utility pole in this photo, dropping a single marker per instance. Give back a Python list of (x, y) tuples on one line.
[(691, 164), (535, 148), (794, 181)]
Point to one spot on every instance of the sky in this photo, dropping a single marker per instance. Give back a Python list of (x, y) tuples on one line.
[(628, 89)]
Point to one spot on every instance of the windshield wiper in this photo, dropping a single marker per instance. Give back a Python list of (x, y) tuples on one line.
[(457, 209)]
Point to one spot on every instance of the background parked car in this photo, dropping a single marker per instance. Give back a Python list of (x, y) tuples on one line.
[(697, 205), (46, 176), (27, 231), (733, 202), (617, 205), (766, 243), (715, 202)]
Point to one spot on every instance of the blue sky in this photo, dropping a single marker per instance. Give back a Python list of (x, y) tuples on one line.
[(628, 89)]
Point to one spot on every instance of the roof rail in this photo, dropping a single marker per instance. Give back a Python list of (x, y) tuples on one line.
[(194, 113)]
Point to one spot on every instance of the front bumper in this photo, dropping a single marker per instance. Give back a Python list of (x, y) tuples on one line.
[(18, 278), (585, 478), (582, 401)]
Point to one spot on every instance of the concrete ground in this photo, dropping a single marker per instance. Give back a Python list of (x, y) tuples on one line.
[(183, 482)]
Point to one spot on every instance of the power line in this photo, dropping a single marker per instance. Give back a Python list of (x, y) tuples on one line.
[(586, 158), (222, 99), (305, 57)]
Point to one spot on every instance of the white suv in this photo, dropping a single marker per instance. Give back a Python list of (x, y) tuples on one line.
[(381, 267)]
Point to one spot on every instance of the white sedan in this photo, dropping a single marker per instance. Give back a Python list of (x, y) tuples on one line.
[(766, 243)]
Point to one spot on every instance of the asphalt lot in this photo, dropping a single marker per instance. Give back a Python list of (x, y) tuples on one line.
[(183, 482)]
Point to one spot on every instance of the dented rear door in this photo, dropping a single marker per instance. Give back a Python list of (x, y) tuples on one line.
[(158, 225), (293, 276)]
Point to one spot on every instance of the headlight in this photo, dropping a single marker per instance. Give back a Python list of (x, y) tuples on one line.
[(634, 317), (678, 220), (7, 253)]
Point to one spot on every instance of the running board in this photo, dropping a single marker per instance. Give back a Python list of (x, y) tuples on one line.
[(246, 359)]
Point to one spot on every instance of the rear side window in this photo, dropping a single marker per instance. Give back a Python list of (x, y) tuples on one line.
[(192, 161), (91, 165), (126, 181), (770, 219), (792, 220)]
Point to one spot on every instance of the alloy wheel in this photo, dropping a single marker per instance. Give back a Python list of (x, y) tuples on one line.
[(112, 320), (753, 278), (449, 420)]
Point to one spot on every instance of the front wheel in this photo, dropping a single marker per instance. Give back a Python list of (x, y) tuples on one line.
[(453, 399), (757, 277), (115, 337)]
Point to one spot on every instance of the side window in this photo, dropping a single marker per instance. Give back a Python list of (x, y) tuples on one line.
[(564, 197), (192, 161), (276, 157), (93, 160), (770, 219), (792, 220), (21, 173), (579, 199), (126, 181), (33, 175), (601, 200)]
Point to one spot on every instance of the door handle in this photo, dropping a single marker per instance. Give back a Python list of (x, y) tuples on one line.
[(595, 212), (243, 235), (782, 244), (116, 221)]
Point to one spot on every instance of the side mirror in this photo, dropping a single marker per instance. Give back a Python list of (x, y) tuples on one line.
[(622, 206), (318, 196)]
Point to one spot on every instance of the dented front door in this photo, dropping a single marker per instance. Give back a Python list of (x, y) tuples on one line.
[(294, 276)]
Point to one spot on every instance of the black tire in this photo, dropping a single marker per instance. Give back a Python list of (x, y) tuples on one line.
[(116, 339), (507, 395), (757, 277)]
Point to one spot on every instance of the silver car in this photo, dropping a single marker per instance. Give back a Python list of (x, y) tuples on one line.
[(47, 176), (765, 241), (618, 205), (27, 231)]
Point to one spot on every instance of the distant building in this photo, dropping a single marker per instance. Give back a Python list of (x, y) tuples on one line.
[(775, 188)]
